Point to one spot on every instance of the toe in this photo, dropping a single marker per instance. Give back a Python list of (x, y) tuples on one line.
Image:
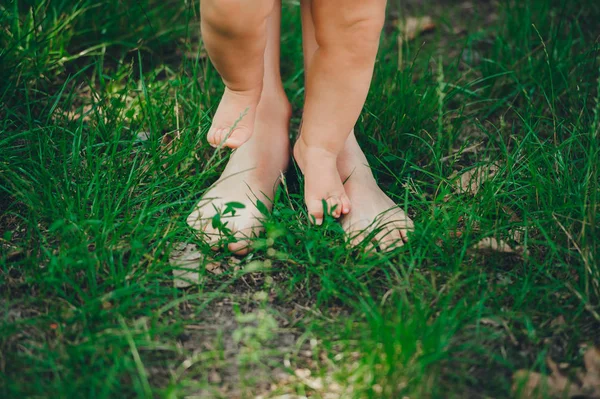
[(211, 136), (389, 239), (315, 211), (402, 225), (345, 208), (317, 218), (371, 247), (241, 247), (199, 220), (241, 243), (358, 238), (221, 135), (334, 206), (232, 143), (212, 237), (244, 237), (238, 137), (202, 223)]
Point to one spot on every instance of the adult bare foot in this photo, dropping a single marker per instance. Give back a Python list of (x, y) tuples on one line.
[(372, 210), (321, 181), (233, 122), (252, 174)]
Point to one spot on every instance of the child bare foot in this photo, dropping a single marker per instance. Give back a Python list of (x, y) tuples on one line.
[(321, 182), (338, 69), (372, 209), (233, 122), (235, 37)]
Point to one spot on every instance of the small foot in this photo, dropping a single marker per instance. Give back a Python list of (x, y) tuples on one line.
[(233, 122), (321, 182)]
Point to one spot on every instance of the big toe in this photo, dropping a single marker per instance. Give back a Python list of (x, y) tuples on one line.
[(243, 233), (238, 137), (241, 246), (315, 211)]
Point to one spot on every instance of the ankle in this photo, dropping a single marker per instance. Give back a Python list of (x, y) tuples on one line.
[(275, 103), (313, 153), (314, 149), (252, 92), (352, 162)]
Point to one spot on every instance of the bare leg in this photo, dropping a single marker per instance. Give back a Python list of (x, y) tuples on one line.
[(371, 207), (254, 169), (337, 82), (235, 35)]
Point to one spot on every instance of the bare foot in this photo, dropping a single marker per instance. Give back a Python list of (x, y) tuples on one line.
[(321, 181), (372, 210), (233, 122), (252, 174)]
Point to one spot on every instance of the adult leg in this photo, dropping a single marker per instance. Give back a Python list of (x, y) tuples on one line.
[(372, 209), (254, 169), (235, 36), (337, 82)]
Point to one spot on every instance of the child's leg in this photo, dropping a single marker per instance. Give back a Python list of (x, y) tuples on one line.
[(372, 209), (234, 34), (338, 80)]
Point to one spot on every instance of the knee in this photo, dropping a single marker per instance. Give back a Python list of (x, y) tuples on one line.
[(364, 38), (235, 16), (366, 27), (357, 36)]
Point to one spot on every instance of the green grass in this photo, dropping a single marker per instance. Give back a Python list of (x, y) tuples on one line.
[(92, 202)]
